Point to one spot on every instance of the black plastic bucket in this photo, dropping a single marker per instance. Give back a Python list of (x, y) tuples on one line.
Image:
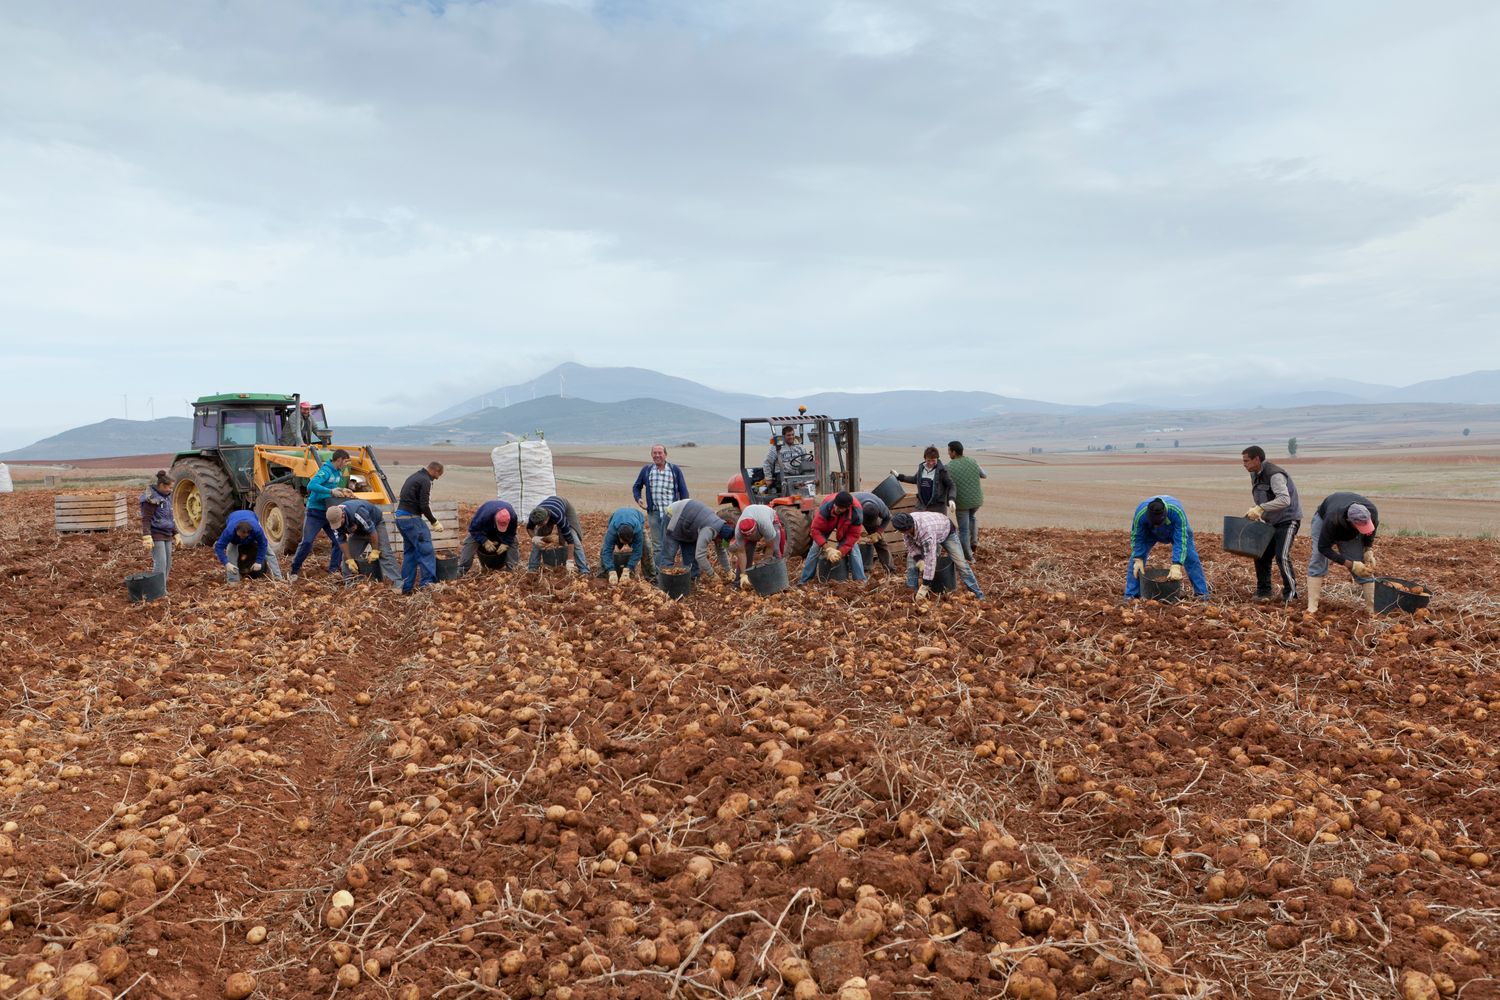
[(1390, 598), (1156, 585), (675, 584), (555, 555), (447, 568), (944, 577), (890, 491), (831, 572), (1245, 537), (769, 578), (494, 560), (145, 586)]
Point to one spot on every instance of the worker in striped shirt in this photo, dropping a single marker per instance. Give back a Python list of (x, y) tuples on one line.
[(659, 485), (554, 518), (925, 533)]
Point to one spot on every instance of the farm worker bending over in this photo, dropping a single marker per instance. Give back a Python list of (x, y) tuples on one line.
[(242, 548), (836, 527), (656, 488), (692, 524), (624, 544), (968, 495), (935, 489), (555, 514), (321, 489), (1277, 504), (360, 526), (492, 535), (413, 517), (158, 528), (1343, 531), (877, 520), (925, 531), (1161, 519), (755, 524), (788, 457)]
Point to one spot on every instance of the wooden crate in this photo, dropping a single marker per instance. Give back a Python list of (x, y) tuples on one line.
[(447, 515), (88, 512)]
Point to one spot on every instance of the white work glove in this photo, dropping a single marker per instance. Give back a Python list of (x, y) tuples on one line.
[(1254, 513), (922, 592), (745, 583), (437, 528), (1360, 569), (918, 564), (147, 542), (625, 573), (895, 473), (1137, 568), (1175, 573), (832, 554), (256, 568), (177, 540), (571, 568), (614, 577)]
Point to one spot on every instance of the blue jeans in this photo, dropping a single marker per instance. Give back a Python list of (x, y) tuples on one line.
[(1353, 550), (1190, 563), (416, 538), (961, 566), (656, 520), (314, 521), (968, 531), (856, 564)]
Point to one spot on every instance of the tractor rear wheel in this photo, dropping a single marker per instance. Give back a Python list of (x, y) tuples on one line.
[(201, 500), (279, 510), (797, 527)]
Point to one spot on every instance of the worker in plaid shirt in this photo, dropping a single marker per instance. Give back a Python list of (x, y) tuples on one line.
[(659, 485)]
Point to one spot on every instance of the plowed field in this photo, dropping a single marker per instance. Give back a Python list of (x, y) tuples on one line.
[(547, 787)]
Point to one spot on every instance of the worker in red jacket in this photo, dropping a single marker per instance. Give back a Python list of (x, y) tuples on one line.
[(836, 528)]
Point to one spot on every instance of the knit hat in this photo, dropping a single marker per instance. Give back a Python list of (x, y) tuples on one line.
[(726, 531), (901, 522), (748, 526)]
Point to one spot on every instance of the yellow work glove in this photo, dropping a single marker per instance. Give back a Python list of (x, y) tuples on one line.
[(1254, 513), (1369, 559), (918, 565), (437, 528), (614, 577), (146, 542), (501, 549), (1137, 568), (922, 592), (371, 554), (625, 573), (177, 539), (1360, 569), (834, 555), (1175, 573), (487, 546), (745, 583)]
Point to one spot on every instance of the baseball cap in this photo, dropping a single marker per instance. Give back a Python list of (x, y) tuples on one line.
[(1359, 516), (502, 519)]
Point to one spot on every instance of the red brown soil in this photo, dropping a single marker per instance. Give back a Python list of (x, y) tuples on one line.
[(1048, 789)]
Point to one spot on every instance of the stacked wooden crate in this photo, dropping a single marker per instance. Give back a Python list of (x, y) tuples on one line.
[(88, 511), (446, 543)]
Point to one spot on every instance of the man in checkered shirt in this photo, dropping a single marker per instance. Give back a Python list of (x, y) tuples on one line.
[(659, 485)]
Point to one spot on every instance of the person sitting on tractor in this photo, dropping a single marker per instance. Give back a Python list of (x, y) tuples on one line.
[(788, 458), (243, 550), (694, 524), (492, 536), (624, 544), (877, 520), (555, 519), (360, 526), (835, 531), (756, 523)]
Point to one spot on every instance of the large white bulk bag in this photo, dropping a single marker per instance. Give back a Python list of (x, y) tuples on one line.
[(523, 474), (5, 484)]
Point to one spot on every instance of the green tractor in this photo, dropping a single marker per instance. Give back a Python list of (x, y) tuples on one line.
[(256, 451)]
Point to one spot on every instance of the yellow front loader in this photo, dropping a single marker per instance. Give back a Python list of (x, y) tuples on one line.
[(280, 474)]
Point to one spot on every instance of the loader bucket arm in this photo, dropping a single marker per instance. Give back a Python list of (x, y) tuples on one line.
[(274, 463)]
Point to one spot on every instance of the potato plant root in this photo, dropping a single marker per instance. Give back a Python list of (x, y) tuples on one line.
[(544, 786)]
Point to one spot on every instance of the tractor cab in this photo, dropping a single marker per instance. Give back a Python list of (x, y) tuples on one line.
[(232, 424)]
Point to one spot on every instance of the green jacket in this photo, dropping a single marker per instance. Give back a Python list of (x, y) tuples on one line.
[(965, 473)]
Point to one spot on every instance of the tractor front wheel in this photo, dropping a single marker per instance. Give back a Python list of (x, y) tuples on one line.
[(201, 500), (798, 528), (279, 510)]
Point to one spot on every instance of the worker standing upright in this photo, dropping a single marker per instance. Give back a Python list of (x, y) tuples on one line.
[(322, 488), (417, 524), (158, 527), (659, 485), (1276, 504)]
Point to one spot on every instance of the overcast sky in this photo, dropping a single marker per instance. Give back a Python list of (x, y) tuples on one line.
[(392, 206)]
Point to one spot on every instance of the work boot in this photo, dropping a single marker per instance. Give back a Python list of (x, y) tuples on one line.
[(1314, 593), (1369, 589), (1262, 596)]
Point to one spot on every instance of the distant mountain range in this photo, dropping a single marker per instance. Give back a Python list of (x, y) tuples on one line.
[(623, 405)]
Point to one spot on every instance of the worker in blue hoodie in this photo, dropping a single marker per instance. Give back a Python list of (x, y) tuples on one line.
[(492, 537), (243, 550), (322, 488), (1162, 519), (625, 548)]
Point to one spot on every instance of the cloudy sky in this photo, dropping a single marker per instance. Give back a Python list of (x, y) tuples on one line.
[(391, 206)]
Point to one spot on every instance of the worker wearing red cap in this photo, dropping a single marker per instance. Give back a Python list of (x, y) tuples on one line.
[(1343, 531), (756, 524), (835, 530), (492, 536)]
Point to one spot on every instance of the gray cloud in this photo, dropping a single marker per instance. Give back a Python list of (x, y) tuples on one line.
[(1045, 199)]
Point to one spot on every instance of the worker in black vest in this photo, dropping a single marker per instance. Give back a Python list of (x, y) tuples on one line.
[(1276, 504)]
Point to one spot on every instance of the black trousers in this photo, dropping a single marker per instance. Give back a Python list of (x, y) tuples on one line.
[(1280, 550)]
